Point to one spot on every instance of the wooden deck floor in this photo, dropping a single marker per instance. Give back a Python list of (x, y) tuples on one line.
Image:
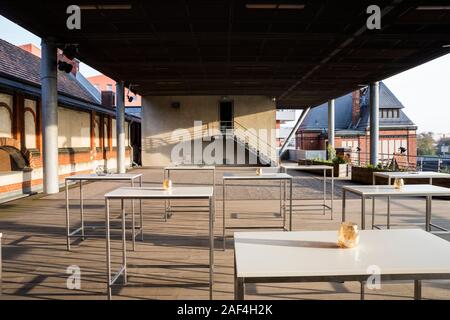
[(172, 261)]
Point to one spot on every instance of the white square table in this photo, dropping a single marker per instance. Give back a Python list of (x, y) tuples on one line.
[(282, 177), (168, 169), (390, 175), (187, 193), (79, 232), (324, 169), (313, 256), (410, 190), (429, 175)]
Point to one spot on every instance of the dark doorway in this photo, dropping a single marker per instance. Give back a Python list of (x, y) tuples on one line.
[(226, 115)]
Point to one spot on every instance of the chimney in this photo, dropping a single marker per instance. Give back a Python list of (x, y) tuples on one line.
[(356, 107), (108, 99)]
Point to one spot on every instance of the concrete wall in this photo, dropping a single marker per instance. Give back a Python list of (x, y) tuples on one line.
[(160, 120)]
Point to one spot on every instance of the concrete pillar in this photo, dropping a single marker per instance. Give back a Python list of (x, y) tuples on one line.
[(331, 123), (120, 126), (49, 116), (374, 122)]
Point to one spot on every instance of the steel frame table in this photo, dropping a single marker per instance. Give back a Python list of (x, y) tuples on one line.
[(79, 232), (323, 168), (412, 190), (389, 175), (168, 211), (126, 193), (313, 256), (282, 177)]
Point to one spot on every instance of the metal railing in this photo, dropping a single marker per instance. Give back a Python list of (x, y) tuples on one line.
[(249, 137), (399, 161)]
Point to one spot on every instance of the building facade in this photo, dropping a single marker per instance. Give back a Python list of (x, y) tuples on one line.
[(86, 130), (352, 125)]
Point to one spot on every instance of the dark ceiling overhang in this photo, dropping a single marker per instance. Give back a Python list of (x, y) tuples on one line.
[(301, 56)]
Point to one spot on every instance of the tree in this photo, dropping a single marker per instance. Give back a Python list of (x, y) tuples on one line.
[(426, 146)]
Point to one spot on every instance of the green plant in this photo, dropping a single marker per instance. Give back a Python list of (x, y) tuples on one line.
[(339, 160), (331, 152)]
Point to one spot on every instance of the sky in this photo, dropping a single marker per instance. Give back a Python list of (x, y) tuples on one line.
[(423, 90)]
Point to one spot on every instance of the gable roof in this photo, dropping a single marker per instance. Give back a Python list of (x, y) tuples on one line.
[(19, 64), (317, 118)]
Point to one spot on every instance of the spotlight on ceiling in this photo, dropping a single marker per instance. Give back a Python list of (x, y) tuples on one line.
[(70, 51), (274, 99), (129, 97), (446, 46), (64, 66)]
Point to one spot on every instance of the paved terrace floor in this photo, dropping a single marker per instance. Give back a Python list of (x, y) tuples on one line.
[(170, 264)]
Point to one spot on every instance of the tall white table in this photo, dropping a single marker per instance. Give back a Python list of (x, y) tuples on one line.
[(282, 177), (194, 168), (428, 175), (79, 232), (411, 190), (187, 193), (324, 169), (313, 256)]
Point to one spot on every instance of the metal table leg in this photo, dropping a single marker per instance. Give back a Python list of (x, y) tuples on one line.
[(281, 198), (224, 214), (363, 290), (124, 243), (332, 193), (108, 251), (140, 212), (417, 289), (428, 214), (388, 212), (363, 213), (324, 190), (211, 247), (82, 209), (67, 215), (284, 203), (133, 222), (290, 205), (343, 204)]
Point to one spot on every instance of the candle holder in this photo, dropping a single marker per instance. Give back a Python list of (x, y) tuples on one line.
[(100, 171), (348, 235), (398, 183), (167, 184)]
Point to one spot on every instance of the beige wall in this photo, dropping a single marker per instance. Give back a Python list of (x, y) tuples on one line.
[(30, 124), (74, 128), (5, 116), (160, 120)]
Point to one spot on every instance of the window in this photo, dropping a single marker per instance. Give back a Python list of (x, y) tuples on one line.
[(109, 87), (389, 113)]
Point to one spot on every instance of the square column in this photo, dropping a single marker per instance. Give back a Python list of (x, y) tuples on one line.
[(120, 126), (374, 121), (49, 94), (331, 122)]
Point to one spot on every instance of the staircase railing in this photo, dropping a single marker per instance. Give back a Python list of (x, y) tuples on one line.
[(249, 137)]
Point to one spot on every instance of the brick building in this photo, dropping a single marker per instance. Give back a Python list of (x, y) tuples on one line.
[(397, 131), (86, 131)]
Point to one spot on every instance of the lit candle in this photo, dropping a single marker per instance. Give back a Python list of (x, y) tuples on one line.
[(167, 184), (348, 235)]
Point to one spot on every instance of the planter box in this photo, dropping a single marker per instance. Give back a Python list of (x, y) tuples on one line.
[(365, 175), (340, 170)]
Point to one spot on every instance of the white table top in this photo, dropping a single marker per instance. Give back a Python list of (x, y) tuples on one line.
[(406, 190), (113, 176), (315, 253), (263, 176), (307, 167), (192, 167), (420, 174), (160, 193)]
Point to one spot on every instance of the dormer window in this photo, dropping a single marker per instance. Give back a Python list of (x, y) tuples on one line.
[(389, 113)]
